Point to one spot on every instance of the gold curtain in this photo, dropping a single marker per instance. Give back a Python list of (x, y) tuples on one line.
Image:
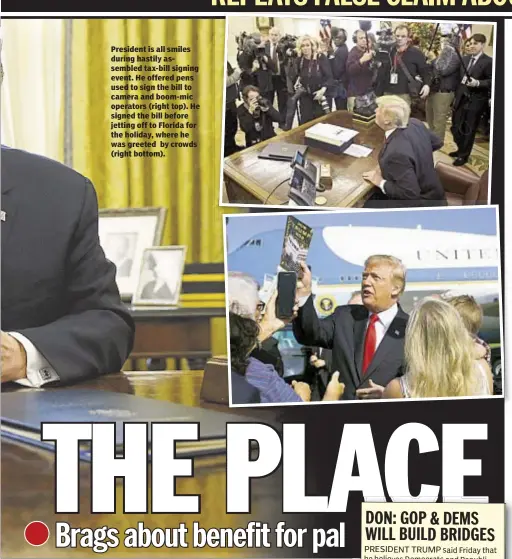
[(186, 181)]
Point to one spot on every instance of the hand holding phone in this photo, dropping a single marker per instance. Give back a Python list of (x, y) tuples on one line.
[(286, 295)]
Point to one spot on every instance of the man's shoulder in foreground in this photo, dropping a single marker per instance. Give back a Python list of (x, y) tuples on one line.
[(24, 169), (415, 127), (356, 312), (415, 51)]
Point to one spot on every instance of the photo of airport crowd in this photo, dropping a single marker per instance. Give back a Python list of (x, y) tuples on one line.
[(378, 305)]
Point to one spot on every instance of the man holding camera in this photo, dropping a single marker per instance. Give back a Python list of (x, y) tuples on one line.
[(256, 116), (471, 98), (408, 74), (257, 68)]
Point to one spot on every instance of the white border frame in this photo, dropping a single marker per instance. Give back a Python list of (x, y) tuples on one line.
[(138, 303), (347, 211), (348, 17)]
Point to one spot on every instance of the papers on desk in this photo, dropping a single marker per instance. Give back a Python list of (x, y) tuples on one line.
[(356, 150), (330, 134)]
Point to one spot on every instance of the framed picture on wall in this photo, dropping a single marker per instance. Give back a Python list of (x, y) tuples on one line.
[(160, 276), (264, 23), (124, 235)]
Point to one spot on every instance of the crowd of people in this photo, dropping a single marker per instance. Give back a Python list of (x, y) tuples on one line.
[(284, 79), (256, 365), (369, 348)]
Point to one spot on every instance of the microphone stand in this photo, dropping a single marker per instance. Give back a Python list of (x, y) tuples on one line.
[(433, 38), (459, 55), (466, 95)]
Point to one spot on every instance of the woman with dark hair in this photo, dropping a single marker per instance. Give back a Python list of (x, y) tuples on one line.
[(243, 338), (256, 116)]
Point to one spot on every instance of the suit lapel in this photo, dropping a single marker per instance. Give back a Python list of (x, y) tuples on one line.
[(480, 65), (359, 335), (392, 341)]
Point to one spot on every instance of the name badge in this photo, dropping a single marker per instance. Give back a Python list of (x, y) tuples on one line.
[(393, 78), (464, 80)]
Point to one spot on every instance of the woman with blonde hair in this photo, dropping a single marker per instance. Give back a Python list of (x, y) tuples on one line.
[(440, 357), (311, 76)]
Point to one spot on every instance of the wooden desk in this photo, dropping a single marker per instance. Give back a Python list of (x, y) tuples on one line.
[(28, 486), (174, 333), (251, 180)]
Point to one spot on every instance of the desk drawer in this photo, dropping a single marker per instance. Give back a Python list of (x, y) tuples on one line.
[(187, 335)]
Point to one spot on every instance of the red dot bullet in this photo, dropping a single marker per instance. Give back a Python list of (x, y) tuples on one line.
[(36, 533)]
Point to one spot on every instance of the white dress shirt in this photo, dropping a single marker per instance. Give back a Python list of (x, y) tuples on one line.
[(384, 322), (475, 60), (39, 370), (383, 182)]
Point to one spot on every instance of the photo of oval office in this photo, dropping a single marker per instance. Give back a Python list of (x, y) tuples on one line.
[(333, 113)]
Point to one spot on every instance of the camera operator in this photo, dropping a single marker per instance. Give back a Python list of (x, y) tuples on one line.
[(408, 73), (244, 60), (230, 116), (445, 79), (359, 68), (257, 68), (471, 98), (311, 73), (276, 53), (338, 62), (256, 115)]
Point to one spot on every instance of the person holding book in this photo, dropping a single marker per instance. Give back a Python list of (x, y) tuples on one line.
[(367, 341)]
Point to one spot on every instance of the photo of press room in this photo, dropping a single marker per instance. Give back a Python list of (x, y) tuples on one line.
[(120, 311), (358, 306), (337, 113)]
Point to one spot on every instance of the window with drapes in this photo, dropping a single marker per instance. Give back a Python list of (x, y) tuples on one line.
[(32, 94)]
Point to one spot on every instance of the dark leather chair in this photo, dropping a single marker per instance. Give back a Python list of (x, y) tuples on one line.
[(462, 186)]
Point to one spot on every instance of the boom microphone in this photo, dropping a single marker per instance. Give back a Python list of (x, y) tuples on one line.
[(365, 26)]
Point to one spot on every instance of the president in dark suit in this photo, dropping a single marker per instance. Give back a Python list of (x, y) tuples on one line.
[(406, 175), (472, 97), (62, 317), (367, 340)]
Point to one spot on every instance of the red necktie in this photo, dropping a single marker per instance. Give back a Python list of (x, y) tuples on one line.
[(370, 342)]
